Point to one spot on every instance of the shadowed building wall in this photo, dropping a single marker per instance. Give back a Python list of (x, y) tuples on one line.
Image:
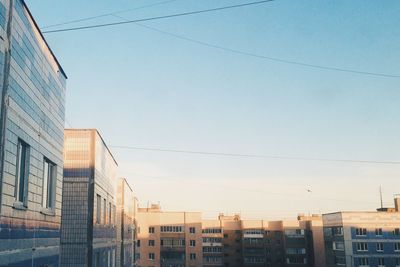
[(32, 90), (88, 227), (231, 241), (362, 238), (126, 224)]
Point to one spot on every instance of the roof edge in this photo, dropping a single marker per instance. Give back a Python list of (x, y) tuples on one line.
[(44, 39)]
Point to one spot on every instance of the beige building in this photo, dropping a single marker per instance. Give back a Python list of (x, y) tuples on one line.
[(183, 239), (171, 239)]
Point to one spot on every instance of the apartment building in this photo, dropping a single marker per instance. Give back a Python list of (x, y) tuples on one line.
[(213, 248), (169, 239), (126, 224), (231, 241), (363, 239), (88, 225), (32, 97)]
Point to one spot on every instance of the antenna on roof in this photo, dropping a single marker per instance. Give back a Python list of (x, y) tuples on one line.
[(380, 194)]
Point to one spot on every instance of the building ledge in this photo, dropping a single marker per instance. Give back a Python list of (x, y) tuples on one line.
[(19, 206), (48, 212)]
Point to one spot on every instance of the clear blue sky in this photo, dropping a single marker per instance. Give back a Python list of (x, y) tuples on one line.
[(143, 88)]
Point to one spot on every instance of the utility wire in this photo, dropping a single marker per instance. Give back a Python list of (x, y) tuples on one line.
[(239, 155), (158, 17), (280, 60), (244, 53), (107, 14), (231, 50)]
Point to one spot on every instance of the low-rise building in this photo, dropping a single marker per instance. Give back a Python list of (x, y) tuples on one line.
[(88, 224)]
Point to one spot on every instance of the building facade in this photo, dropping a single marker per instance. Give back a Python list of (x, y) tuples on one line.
[(231, 241), (169, 239), (363, 239), (88, 225), (32, 114), (126, 225)]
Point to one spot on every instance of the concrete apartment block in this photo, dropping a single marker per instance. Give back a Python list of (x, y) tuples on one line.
[(88, 225), (231, 241), (32, 97), (169, 239), (355, 239), (126, 224)]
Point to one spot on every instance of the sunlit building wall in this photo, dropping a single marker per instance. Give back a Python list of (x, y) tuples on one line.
[(361, 238), (169, 239), (88, 226), (32, 97)]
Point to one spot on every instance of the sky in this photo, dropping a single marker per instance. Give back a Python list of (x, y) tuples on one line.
[(143, 88)]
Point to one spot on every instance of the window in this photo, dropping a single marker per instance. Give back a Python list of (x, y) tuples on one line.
[(151, 230), (295, 260), (397, 262), (192, 256), (152, 243), (213, 250), (337, 245), (397, 247), (114, 214), (361, 231), (192, 230), (296, 251), (212, 240), (294, 232), (338, 231), (212, 231), (363, 262), (253, 232), (171, 229), (362, 246), (21, 190), (192, 243), (151, 256), (110, 213), (104, 211), (396, 231), (138, 243), (379, 247), (172, 242), (98, 210), (97, 259), (378, 231), (381, 261), (49, 184), (340, 260)]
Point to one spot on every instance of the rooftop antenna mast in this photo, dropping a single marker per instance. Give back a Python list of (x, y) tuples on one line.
[(380, 194)]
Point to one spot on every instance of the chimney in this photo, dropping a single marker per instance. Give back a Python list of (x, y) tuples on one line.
[(397, 203)]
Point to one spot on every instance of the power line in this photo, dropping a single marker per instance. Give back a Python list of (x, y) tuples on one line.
[(203, 43), (107, 14), (280, 60), (158, 17), (239, 155)]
